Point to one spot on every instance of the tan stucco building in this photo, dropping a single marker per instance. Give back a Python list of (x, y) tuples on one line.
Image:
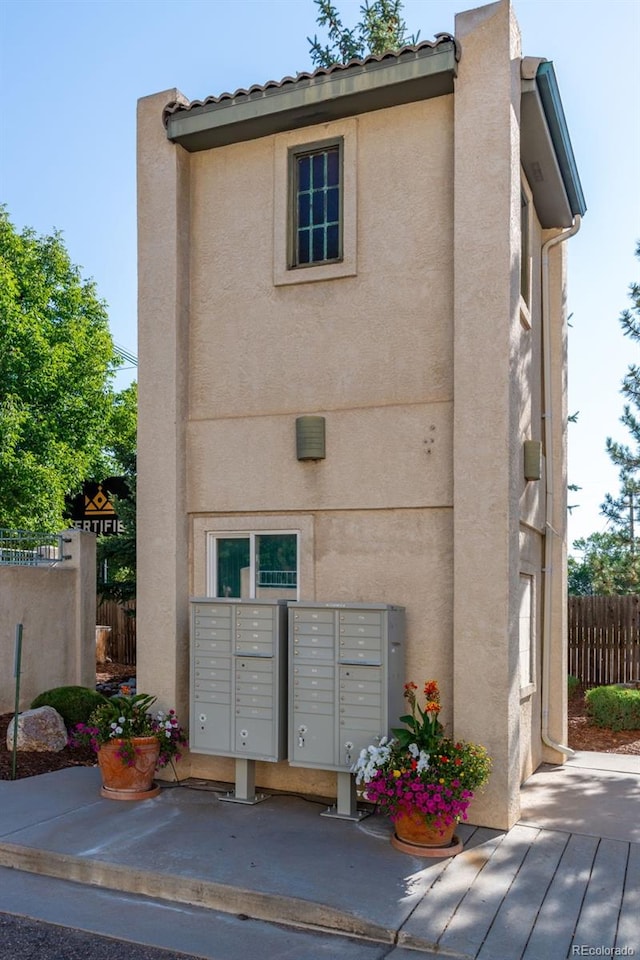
[(380, 246)]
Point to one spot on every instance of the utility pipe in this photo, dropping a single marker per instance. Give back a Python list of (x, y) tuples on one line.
[(549, 531)]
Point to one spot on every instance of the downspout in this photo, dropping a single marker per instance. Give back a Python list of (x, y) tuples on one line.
[(549, 530)]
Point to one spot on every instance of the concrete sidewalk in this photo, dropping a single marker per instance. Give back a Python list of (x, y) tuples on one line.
[(567, 874)]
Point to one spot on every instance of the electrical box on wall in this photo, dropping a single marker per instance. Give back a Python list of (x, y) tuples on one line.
[(238, 696), (346, 680)]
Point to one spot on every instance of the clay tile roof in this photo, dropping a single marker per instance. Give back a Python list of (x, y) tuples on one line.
[(258, 91)]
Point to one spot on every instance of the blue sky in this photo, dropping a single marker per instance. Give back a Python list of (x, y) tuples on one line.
[(72, 71)]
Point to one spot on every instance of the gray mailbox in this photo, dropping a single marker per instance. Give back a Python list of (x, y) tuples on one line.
[(346, 680), (238, 678)]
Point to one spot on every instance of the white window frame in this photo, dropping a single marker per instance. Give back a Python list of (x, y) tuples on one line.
[(250, 535), (527, 634), (526, 252)]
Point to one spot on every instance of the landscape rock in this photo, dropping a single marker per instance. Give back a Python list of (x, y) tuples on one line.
[(38, 730)]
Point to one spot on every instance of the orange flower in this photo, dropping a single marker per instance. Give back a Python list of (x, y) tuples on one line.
[(431, 691)]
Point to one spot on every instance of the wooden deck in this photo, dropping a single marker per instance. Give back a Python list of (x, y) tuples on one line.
[(530, 894)]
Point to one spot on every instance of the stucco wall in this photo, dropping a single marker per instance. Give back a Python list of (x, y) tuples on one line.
[(57, 609)]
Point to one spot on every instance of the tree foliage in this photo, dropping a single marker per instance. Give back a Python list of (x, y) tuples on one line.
[(117, 554), (622, 511), (56, 364), (605, 568), (380, 28)]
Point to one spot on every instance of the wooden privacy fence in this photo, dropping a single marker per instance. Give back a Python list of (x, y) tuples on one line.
[(121, 645), (604, 639)]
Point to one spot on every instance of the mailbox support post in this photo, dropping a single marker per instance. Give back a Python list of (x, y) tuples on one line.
[(245, 791), (346, 807)]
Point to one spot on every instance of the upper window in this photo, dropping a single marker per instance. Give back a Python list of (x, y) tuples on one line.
[(316, 207), (315, 203)]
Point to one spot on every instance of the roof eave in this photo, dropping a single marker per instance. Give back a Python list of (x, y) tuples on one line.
[(317, 99), (546, 151)]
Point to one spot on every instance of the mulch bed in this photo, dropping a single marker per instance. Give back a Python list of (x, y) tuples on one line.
[(30, 763)]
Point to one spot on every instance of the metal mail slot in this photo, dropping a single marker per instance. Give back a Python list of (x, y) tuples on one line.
[(253, 688), (253, 666), (257, 713), (212, 610), (213, 696), (213, 664), (253, 613), (351, 710), (312, 683), (313, 616), (355, 687), (361, 673), (360, 617), (319, 696), (248, 648), (324, 709), (361, 699), (313, 670), (212, 646), (221, 686), (213, 633), (246, 700), (313, 629), (315, 641), (314, 653), (360, 630)]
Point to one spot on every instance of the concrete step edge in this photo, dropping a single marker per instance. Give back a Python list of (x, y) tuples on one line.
[(197, 892)]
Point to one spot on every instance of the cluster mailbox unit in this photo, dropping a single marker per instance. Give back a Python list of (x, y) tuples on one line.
[(344, 672), (238, 683)]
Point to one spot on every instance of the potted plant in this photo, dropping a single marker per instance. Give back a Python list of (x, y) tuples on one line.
[(422, 779), (131, 743)]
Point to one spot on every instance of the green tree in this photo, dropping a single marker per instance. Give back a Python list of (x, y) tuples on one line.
[(622, 511), (605, 568), (56, 364), (381, 28), (117, 554)]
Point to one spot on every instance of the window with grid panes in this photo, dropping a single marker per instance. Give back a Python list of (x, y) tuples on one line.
[(317, 203)]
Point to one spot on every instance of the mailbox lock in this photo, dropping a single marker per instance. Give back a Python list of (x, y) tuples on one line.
[(301, 732)]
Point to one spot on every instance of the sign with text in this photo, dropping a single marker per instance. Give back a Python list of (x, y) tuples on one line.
[(93, 509)]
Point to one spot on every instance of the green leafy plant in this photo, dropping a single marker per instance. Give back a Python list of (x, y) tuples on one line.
[(573, 685), (614, 707), (74, 704), (122, 719), (420, 769)]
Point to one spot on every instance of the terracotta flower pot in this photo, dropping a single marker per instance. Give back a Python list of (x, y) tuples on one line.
[(413, 827), (123, 782)]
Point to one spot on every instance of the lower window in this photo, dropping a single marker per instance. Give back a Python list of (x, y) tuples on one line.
[(254, 565)]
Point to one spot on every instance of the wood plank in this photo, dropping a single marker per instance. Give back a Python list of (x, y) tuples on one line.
[(552, 933), (424, 928), (470, 925), (598, 921), (629, 920), (518, 912)]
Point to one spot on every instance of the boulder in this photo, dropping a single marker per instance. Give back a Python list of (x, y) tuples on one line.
[(38, 730)]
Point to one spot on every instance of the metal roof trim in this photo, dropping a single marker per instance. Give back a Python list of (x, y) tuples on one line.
[(559, 132)]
